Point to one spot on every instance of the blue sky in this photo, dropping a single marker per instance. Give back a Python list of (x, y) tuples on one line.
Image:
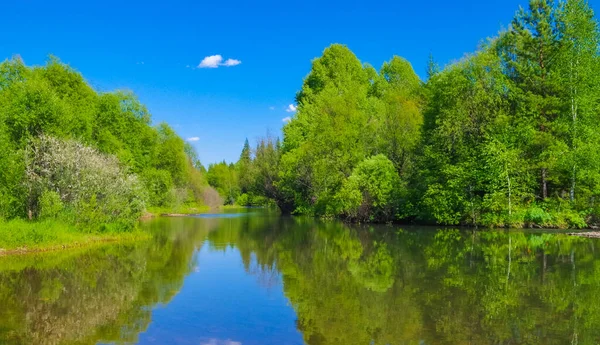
[(155, 47)]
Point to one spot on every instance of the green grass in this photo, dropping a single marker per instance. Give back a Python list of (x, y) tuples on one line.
[(21, 236), (183, 209), (26, 236)]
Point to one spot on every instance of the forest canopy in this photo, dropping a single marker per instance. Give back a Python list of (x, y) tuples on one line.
[(507, 136), (85, 157)]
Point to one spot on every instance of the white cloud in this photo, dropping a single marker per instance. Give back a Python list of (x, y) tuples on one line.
[(193, 139), (271, 108), (214, 61), (286, 119), (291, 108), (232, 62)]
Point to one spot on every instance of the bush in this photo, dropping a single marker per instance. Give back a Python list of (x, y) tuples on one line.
[(158, 184), (243, 200), (371, 192), (94, 185), (212, 198), (178, 197), (250, 199), (570, 219), (555, 214), (50, 204), (537, 215)]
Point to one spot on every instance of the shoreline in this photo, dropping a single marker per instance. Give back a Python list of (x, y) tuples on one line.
[(586, 234), (86, 241), (71, 238), (50, 236)]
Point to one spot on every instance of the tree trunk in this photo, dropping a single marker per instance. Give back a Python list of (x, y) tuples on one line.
[(574, 134), (509, 196), (544, 184), (543, 111), (572, 191)]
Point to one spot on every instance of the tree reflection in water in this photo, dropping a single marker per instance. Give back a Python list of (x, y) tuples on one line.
[(347, 285)]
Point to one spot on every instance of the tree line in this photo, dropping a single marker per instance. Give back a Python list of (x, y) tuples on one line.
[(88, 158), (507, 136), (251, 180)]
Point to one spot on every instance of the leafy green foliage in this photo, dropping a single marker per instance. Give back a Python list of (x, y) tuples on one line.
[(371, 192), (252, 180), (50, 204), (347, 112), (91, 184), (59, 135), (224, 178), (504, 127), (505, 137)]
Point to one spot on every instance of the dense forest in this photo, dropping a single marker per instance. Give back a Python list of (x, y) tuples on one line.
[(507, 136), (90, 159)]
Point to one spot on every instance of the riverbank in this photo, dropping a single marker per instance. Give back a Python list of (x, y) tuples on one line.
[(587, 234), (181, 210), (185, 211), (21, 236)]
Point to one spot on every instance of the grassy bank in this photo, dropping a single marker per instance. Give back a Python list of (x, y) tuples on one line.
[(183, 209), (23, 236), (19, 236)]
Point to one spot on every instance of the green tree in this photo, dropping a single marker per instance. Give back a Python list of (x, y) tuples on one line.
[(224, 178), (579, 66), (56, 101), (531, 49), (463, 102), (372, 192), (330, 134), (244, 165), (400, 122)]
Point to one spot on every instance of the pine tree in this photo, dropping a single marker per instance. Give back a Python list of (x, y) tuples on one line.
[(244, 165), (432, 67), (531, 48)]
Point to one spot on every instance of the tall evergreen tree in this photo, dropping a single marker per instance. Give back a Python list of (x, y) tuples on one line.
[(244, 168), (531, 49)]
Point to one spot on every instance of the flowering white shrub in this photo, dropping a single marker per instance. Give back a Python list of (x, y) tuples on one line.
[(211, 197), (96, 188)]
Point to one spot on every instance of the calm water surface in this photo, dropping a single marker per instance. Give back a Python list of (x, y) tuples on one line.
[(256, 278)]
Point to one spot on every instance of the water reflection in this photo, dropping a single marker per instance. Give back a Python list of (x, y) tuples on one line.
[(263, 279), (98, 294)]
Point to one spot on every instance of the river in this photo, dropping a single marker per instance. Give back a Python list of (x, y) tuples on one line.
[(252, 277)]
